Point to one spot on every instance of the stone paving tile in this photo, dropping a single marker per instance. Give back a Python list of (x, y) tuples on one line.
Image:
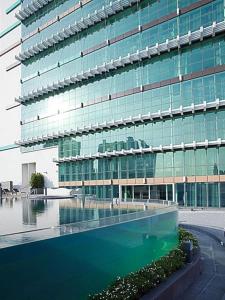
[(214, 290), (211, 283), (210, 218), (221, 270)]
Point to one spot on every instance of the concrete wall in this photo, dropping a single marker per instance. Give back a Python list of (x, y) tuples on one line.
[(9, 89), (11, 165), (11, 160), (44, 164)]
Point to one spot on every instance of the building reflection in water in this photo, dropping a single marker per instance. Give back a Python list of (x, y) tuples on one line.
[(68, 211), (33, 208), (8, 201), (61, 212)]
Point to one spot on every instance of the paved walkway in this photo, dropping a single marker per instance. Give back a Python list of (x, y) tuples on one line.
[(211, 283), (213, 218)]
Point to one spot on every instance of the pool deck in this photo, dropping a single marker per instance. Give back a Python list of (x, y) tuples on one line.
[(208, 226), (212, 218)]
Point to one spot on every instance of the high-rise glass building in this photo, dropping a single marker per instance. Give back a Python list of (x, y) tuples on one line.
[(131, 93)]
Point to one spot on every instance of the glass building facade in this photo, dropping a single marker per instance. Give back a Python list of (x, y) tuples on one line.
[(132, 92)]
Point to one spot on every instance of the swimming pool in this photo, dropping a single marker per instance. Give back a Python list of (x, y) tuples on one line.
[(87, 256), (25, 220)]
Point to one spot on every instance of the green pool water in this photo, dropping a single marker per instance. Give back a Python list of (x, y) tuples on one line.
[(75, 265)]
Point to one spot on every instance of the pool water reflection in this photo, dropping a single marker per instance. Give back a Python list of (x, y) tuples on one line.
[(74, 265), (25, 220)]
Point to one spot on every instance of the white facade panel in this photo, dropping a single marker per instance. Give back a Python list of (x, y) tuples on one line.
[(11, 165), (11, 161), (44, 164)]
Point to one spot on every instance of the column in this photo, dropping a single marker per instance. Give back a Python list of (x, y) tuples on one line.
[(166, 192), (125, 194), (174, 193), (120, 192), (111, 191), (185, 200), (132, 193), (219, 194)]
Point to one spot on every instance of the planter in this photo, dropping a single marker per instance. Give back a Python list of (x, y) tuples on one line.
[(38, 191), (176, 285)]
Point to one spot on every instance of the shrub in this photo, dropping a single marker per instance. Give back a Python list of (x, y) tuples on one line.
[(37, 180), (136, 284), (185, 236)]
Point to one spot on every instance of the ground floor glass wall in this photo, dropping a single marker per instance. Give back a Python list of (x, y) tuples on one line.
[(201, 194), (185, 194)]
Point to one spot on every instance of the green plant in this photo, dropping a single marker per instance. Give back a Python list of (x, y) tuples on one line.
[(136, 284), (37, 180), (184, 235)]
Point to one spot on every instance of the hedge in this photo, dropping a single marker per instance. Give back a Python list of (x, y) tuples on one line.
[(136, 284)]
